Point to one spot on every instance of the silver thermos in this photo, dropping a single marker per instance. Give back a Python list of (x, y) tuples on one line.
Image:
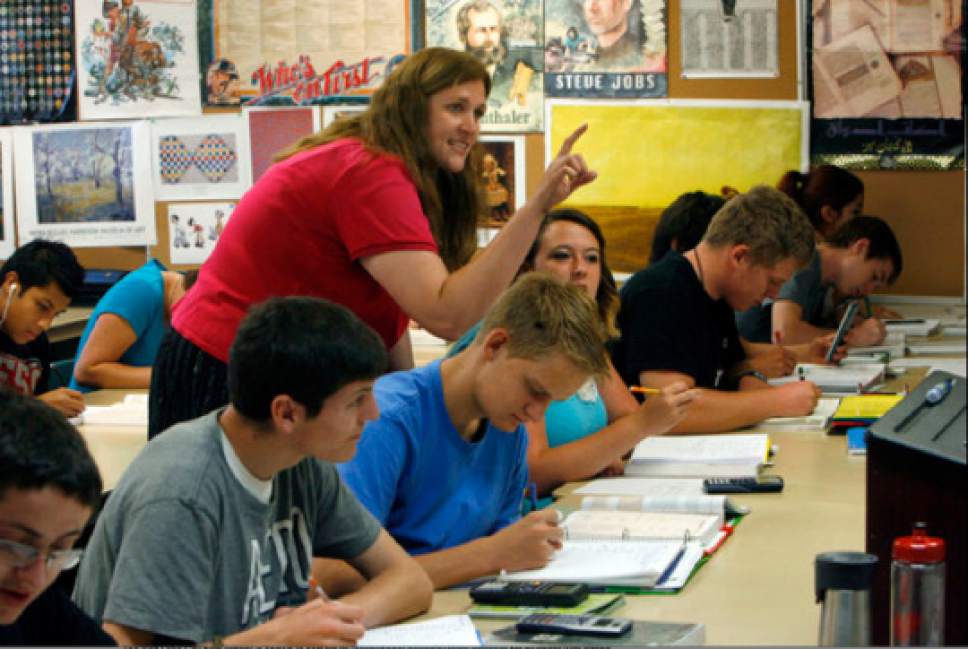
[(843, 583)]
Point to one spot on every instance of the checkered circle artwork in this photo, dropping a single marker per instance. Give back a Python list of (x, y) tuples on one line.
[(36, 60), (207, 159), (214, 157)]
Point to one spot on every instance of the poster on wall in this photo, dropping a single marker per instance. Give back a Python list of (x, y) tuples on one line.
[(628, 197), (605, 48), (36, 33), (503, 174), (506, 35), (137, 58), (729, 38), (280, 52), (200, 157), (88, 185), (887, 82), (272, 130), (7, 239), (194, 229)]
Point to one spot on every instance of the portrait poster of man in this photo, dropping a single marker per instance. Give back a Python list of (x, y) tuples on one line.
[(505, 35), (605, 48)]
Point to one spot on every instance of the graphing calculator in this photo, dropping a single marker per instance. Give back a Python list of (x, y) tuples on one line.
[(763, 484), (529, 593), (574, 625)]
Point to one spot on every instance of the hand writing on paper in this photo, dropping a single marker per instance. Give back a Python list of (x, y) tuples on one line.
[(529, 542), (869, 332), (566, 173), (662, 411), (796, 399), (68, 402), (315, 624), (775, 362)]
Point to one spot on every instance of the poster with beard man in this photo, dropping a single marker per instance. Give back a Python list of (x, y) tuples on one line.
[(506, 35), (605, 48)]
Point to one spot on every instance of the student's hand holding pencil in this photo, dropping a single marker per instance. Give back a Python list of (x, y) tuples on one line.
[(528, 543), (869, 332), (818, 349), (796, 399), (665, 407), (318, 623), (774, 362)]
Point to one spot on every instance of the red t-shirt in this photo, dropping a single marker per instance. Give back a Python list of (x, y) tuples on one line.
[(301, 230)]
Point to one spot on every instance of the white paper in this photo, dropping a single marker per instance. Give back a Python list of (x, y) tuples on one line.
[(87, 184), (925, 328), (836, 379), (740, 44), (138, 63), (447, 631), (661, 487), (200, 157), (953, 365), (130, 412), (707, 449), (818, 420), (7, 238), (602, 562)]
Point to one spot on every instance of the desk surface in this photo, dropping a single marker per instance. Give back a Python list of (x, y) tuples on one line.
[(757, 589)]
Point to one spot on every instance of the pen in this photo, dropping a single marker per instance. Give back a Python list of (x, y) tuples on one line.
[(533, 496), (638, 389), (314, 585)]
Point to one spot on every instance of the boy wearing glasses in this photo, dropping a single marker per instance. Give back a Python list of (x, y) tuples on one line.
[(49, 486)]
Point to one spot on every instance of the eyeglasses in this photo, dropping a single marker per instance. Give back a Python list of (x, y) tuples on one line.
[(19, 555)]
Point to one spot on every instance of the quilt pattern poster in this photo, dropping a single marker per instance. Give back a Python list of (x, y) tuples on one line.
[(137, 58), (284, 52), (506, 35), (200, 157), (86, 185)]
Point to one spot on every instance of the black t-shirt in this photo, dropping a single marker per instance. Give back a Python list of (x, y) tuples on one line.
[(53, 620), (668, 322), (25, 368)]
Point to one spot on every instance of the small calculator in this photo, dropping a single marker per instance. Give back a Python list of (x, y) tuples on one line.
[(763, 484), (594, 625), (529, 593)]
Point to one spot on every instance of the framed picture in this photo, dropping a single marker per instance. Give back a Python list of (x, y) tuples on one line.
[(194, 229), (7, 238), (503, 174), (273, 129), (137, 58), (333, 112), (87, 185), (200, 157), (729, 38)]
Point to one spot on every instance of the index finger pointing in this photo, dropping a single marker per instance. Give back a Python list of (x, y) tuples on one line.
[(571, 139)]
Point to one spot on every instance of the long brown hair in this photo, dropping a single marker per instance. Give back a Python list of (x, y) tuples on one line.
[(396, 123)]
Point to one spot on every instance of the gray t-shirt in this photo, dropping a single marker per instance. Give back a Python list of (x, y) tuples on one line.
[(806, 288), (184, 549)]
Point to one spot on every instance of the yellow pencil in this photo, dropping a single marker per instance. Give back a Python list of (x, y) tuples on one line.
[(638, 389)]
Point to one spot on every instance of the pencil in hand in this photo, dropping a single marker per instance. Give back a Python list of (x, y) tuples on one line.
[(638, 389)]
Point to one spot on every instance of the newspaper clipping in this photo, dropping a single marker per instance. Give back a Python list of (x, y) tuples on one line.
[(729, 38), (506, 36), (605, 48)]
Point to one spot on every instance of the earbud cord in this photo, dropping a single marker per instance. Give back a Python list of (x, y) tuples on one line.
[(6, 307)]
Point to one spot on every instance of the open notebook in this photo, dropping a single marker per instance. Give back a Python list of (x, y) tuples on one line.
[(817, 421), (681, 495), (699, 456)]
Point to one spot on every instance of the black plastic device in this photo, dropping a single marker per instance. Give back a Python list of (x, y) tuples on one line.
[(594, 625), (529, 593), (763, 484)]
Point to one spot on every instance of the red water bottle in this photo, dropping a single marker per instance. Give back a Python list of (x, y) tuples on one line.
[(917, 589)]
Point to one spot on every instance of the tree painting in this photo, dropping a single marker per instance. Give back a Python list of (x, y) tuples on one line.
[(83, 175)]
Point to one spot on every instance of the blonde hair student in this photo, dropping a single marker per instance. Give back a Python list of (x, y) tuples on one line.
[(377, 213)]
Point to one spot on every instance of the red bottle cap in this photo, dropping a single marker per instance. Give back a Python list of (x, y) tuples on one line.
[(919, 547)]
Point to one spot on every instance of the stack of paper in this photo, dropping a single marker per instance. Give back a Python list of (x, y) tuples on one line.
[(845, 379), (817, 421), (893, 346), (131, 412), (683, 495), (447, 631), (863, 409), (699, 456), (913, 326)]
